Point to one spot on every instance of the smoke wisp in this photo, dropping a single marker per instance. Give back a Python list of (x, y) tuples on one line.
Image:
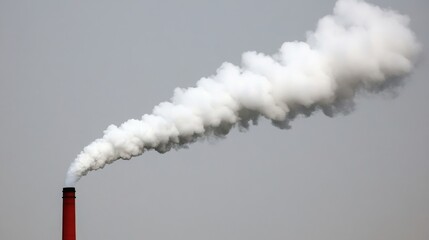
[(359, 47)]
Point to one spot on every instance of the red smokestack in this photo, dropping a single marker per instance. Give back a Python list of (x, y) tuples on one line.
[(69, 217)]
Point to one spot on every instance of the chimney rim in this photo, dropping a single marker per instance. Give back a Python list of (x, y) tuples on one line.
[(69, 189)]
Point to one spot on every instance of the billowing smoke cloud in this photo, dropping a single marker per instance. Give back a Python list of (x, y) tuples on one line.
[(359, 47)]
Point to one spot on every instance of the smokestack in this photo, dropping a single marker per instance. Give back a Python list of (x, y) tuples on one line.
[(69, 217)]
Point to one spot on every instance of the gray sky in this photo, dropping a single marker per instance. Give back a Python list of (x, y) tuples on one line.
[(68, 69)]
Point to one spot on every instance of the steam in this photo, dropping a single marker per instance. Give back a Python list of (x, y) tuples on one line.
[(359, 47)]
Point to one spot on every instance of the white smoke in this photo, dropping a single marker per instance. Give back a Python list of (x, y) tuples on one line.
[(360, 46)]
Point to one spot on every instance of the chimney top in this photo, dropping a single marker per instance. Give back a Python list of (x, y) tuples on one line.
[(69, 189)]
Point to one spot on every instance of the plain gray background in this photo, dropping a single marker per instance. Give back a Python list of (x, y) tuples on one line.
[(68, 69)]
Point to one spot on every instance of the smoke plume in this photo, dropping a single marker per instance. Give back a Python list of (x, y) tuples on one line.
[(359, 47)]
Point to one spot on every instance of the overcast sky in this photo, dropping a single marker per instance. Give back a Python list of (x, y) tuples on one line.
[(68, 69)]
